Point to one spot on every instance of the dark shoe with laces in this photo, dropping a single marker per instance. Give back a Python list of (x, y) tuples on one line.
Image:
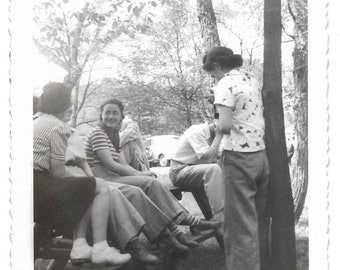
[(138, 251), (204, 225), (185, 240), (171, 241)]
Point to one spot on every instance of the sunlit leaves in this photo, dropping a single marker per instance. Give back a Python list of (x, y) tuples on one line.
[(86, 26)]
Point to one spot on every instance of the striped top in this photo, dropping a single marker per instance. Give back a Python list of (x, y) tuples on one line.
[(98, 140), (49, 141)]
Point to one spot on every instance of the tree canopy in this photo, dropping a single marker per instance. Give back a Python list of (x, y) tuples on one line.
[(149, 54)]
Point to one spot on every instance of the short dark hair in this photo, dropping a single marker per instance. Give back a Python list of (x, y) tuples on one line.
[(55, 99), (222, 56), (112, 101)]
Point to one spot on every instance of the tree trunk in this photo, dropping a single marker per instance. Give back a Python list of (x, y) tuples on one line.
[(207, 19), (72, 81), (211, 39), (75, 105), (283, 255), (298, 11)]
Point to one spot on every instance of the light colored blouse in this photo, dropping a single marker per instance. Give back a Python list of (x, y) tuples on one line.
[(240, 91), (132, 146)]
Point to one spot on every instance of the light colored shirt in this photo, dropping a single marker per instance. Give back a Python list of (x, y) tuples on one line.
[(132, 146), (193, 144), (240, 91), (98, 140), (50, 137), (75, 147)]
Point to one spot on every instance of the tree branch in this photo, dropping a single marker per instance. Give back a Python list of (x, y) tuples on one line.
[(49, 53)]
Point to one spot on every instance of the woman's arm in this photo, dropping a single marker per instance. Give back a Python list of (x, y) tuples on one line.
[(122, 161), (122, 169), (58, 169), (101, 149), (225, 118), (86, 169)]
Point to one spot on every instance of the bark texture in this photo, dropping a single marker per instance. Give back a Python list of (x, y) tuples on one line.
[(283, 255), (207, 19), (298, 11)]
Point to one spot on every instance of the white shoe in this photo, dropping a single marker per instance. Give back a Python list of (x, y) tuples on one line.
[(110, 256), (81, 254)]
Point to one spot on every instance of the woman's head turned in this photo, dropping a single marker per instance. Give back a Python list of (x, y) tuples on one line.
[(112, 113), (222, 56), (112, 101), (55, 99)]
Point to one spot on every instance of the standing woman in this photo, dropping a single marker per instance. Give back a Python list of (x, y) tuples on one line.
[(63, 202), (244, 161)]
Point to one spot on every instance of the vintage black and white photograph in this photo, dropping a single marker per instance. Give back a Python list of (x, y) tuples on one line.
[(170, 134)]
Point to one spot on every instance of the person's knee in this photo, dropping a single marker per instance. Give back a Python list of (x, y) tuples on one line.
[(102, 186), (114, 191), (215, 168), (213, 173), (155, 184), (136, 191)]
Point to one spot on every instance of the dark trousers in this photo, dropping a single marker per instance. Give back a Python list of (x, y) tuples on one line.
[(60, 204)]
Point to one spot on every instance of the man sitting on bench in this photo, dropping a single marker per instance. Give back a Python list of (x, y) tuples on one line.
[(193, 165)]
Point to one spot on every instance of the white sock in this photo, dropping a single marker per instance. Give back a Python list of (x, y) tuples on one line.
[(100, 246), (79, 242)]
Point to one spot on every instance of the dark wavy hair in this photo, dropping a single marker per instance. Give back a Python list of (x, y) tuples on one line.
[(112, 101), (112, 134), (55, 99), (222, 56)]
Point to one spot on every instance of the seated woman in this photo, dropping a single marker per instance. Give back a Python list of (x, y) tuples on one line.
[(105, 160), (125, 222), (129, 209), (63, 202)]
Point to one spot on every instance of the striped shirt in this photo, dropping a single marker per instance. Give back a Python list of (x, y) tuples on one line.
[(49, 141), (98, 140)]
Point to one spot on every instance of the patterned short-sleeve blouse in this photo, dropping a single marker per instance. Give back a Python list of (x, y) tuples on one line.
[(240, 91)]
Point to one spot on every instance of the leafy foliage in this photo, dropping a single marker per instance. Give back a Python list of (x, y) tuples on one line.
[(167, 69), (157, 49), (74, 34)]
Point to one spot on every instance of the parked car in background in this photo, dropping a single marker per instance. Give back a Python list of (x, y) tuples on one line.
[(160, 149)]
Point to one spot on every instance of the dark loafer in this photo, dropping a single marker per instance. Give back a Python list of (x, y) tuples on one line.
[(137, 250), (204, 225), (183, 239), (171, 241)]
